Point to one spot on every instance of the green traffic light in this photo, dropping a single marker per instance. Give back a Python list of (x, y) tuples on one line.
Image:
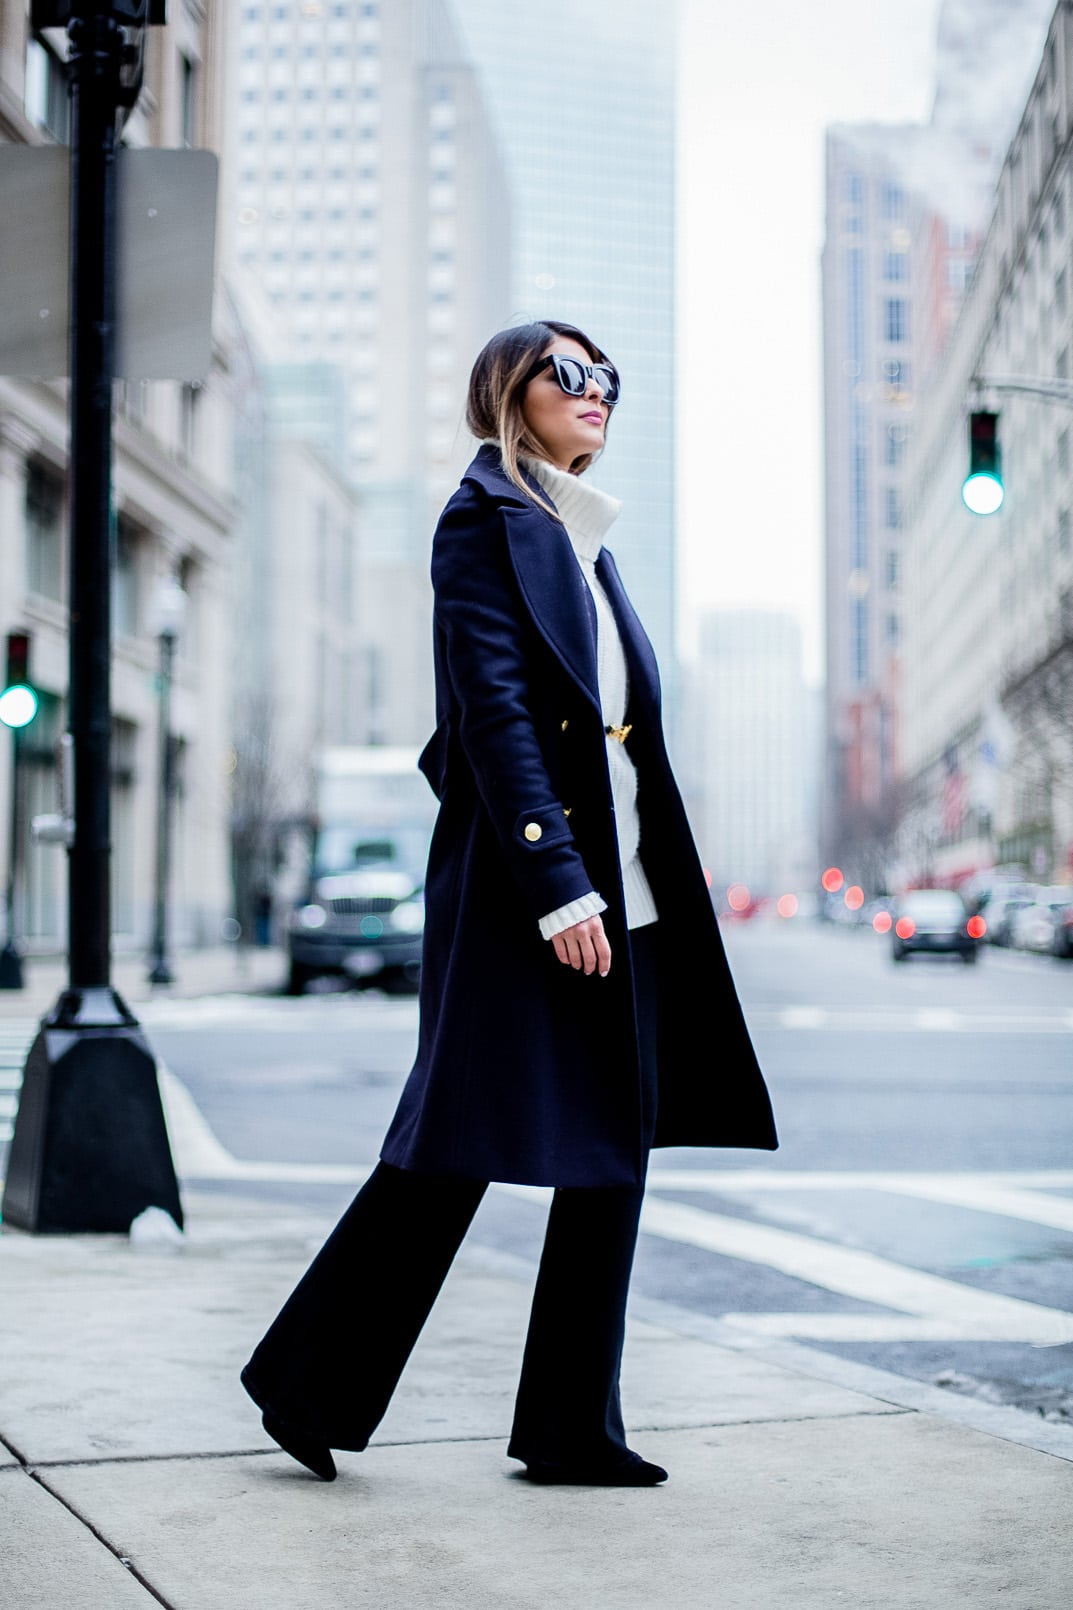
[(18, 705), (983, 493)]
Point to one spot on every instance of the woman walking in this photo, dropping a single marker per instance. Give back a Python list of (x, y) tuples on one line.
[(576, 1004)]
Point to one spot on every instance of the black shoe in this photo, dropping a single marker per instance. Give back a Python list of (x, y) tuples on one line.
[(307, 1450), (630, 1470)]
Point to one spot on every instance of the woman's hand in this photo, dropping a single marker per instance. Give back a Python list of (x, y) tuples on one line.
[(584, 947)]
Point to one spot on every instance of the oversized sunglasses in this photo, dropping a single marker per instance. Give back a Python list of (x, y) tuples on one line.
[(573, 376)]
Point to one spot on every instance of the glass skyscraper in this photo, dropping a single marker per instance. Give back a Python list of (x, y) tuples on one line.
[(581, 96)]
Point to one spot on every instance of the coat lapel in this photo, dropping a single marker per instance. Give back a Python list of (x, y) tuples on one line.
[(548, 574), (640, 656)]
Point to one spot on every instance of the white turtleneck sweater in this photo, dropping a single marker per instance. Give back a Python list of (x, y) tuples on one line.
[(587, 513)]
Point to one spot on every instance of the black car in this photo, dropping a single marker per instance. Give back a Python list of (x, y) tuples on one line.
[(363, 916), (934, 920)]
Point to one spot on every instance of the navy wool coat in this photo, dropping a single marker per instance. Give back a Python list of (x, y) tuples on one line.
[(527, 1071)]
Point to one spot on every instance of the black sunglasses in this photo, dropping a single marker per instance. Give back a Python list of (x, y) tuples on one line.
[(573, 376)]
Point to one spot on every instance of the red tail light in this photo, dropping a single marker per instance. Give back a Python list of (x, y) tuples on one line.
[(881, 922), (905, 927), (976, 927)]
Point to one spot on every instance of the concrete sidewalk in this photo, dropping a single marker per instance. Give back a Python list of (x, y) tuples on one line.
[(135, 1471), (218, 970)]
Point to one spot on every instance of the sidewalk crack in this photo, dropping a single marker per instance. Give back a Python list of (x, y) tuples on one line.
[(124, 1559)]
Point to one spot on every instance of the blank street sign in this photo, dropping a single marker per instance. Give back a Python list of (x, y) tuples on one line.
[(166, 243)]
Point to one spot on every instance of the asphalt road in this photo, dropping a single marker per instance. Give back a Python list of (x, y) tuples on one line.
[(918, 1214)]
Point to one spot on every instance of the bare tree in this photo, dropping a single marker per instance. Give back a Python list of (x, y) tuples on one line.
[(262, 811)]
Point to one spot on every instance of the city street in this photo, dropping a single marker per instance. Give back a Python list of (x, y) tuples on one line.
[(918, 1216)]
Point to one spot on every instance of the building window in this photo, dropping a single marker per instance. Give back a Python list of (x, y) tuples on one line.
[(892, 570), (894, 445), (893, 201), (896, 319), (189, 401), (45, 98), (893, 509), (126, 578), (1063, 531), (896, 374), (859, 640), (896, 265), (893, 630), (44, 532), (854, 189), (188, 100)]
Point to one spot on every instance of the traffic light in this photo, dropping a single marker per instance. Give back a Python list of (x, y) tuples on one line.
[(983, 491), (18, 701)]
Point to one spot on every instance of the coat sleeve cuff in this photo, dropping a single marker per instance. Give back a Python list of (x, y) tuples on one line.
[(589, 905)]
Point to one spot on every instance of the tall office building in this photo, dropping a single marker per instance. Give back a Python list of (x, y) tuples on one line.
[(989, 676), (751, 728), (906, 207), (582, 97), (370, 205)]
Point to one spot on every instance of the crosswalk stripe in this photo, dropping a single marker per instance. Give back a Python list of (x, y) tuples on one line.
[(920, 1305), (1012, 1196), (862, 1275), (923, 1020)]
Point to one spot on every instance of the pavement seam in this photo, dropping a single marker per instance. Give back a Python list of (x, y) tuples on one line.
[(439, 1442), (124, 1560), (15, 1452)]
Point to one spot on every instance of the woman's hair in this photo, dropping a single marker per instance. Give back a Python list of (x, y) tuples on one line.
[(497, 387)]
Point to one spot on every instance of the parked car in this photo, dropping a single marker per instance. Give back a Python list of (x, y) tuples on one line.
[(1033, 926), (999, 912), (933, 920), (1062, 944)]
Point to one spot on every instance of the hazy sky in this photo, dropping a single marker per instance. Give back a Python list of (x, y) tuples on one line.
[(757, 88)]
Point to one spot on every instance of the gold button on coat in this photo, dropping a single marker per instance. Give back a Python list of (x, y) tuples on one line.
[(533, 831)]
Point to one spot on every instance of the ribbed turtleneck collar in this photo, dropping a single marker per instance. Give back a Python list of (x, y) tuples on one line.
[(586, 512)]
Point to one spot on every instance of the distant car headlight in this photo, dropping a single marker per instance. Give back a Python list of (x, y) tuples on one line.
[(409, 917), (312, 916)]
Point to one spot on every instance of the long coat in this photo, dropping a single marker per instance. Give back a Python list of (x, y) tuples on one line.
[(526, 1070)]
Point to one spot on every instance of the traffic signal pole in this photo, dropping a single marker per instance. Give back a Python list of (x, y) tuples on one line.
[(11, 956), (90, 1149)]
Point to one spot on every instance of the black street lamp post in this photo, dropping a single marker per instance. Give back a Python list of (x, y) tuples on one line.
[(90, 1149)]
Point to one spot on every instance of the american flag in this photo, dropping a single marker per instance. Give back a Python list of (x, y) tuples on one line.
[(953, 792)]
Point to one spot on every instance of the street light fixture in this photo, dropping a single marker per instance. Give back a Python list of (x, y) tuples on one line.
[(169, 612)]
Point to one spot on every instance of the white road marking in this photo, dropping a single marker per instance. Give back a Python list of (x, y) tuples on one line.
[(1014, 1196), (8, 1106), (920, 1020), (941, 1019), (926, 1306), (803, 1017), (963, 1310), (199, 1155)]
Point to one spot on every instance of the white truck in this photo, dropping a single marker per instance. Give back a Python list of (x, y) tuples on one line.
[(362, 913)]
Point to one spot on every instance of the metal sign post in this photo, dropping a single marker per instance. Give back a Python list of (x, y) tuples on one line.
[(90, 1149)]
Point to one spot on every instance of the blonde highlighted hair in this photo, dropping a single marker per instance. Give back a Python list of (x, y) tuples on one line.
[(497, 388)]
